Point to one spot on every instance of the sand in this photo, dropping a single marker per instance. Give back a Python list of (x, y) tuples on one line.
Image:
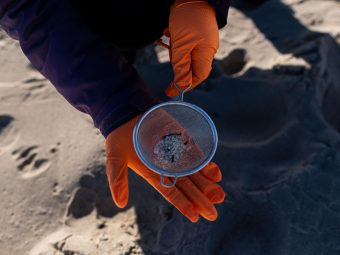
[(168, 151), (274, 96)]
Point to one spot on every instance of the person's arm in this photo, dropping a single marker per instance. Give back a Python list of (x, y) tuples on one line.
[(96, 79), (194, 40), (91, 74), (222, 8)]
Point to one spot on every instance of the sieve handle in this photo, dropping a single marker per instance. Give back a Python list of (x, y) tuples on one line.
[(181, 92), (168, 185)]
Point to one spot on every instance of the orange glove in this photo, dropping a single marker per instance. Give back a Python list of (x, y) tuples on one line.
[(192, 195), (194, 40)]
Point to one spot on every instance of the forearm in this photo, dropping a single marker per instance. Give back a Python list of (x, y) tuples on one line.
[(222, 8), (92, 75)]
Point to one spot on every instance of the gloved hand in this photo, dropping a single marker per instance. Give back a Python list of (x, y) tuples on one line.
[(194, 40), (192, 195)]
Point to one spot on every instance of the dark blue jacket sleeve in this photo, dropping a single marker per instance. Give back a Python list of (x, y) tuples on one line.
[(222, 8), (91, 74)]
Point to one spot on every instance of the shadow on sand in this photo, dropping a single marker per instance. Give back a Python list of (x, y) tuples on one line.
[(279, 143)]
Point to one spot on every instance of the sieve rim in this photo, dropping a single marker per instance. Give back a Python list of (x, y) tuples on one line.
[(162, 171)]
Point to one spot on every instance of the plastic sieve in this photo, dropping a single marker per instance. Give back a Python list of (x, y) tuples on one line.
[(175, 139)]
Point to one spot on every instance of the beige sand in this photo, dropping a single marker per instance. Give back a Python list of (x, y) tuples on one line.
[(54, 196)]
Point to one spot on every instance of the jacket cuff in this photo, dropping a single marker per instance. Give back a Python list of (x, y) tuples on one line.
[(108, 120), (222, 9)]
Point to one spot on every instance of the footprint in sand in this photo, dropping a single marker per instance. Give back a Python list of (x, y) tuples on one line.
[(8, 133), (94, 193), (234, 62), (29, 163), (37, 89)]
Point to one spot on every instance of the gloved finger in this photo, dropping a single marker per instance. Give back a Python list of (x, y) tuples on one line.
[(213, 192), (201, 62), (200, 201), (174, 195), (212, 172), (117, 175), (181, 63)]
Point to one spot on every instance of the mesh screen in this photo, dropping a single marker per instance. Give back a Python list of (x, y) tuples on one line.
[(175, 138)]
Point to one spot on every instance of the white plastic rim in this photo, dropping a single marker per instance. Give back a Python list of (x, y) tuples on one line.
[(160, 171)]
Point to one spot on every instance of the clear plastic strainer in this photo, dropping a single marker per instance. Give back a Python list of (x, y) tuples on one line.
[(175, 139)]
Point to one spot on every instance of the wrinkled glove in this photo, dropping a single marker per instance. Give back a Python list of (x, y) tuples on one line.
[(192, 195), (194, 40)]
